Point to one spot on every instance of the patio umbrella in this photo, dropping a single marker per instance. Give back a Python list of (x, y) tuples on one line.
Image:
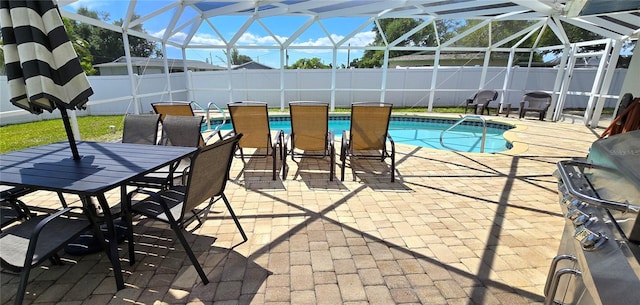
[(43, 70)]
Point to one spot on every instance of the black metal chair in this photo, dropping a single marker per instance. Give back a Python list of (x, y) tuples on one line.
[(29, 243), (140, 128), (481, 100), (176, 131), (177, 205), (12, 209)]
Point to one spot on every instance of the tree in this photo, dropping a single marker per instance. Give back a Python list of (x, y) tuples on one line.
[(394, 28), (81, 47), (106, 45), (575, 34), (237, 58), (305, 63)]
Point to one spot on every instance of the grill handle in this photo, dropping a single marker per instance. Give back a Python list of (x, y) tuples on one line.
[(556, 281), (568, 183), (552, 270)]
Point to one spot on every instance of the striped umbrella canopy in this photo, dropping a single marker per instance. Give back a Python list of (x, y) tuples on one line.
[(42, 67)]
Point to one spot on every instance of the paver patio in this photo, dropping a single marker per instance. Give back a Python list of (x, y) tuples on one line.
[(455, 228)]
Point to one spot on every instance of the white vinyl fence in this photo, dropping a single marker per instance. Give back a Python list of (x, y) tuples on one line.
[(402, 87)]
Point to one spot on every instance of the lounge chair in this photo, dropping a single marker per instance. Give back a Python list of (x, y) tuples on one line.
[(369, 135), (536, 101), (310, 133), (252, 120), (141, 128), (172, 108), (481, 100), (206, 180)]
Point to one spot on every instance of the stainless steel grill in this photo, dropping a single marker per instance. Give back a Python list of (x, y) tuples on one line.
[(598, 260)]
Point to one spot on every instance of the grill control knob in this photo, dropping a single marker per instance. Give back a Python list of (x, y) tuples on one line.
[(589, 240), (575, 204), (583, 219)]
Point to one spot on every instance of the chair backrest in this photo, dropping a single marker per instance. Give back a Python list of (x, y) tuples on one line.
[(172, 108), (485, 96), (140, 128), (537, 100), (309, 124), (181, 131), (209, 172), (252, 120), (369, 125)]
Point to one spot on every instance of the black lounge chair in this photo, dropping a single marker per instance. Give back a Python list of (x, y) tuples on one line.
[(536, 101), (481, 100)]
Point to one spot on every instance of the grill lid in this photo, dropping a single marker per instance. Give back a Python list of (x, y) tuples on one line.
[(616, 176)]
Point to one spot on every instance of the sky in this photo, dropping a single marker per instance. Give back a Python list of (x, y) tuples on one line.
[(283, 27)]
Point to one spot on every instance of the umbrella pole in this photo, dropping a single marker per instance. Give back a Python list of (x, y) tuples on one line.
[(67, 128)]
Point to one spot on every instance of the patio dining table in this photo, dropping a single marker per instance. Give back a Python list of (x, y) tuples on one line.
[(102, 167)]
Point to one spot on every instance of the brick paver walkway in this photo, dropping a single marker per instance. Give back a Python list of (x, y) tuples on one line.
[(455, 228)]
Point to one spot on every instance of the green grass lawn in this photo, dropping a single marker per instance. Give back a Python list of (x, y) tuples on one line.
[(92, 128)]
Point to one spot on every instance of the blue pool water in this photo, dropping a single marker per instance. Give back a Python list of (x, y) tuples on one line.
[(422, 132)]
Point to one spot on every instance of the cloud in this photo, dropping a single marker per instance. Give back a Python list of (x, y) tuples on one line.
[(249, 39)]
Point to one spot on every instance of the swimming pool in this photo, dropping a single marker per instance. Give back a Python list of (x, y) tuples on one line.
[(419, 131)]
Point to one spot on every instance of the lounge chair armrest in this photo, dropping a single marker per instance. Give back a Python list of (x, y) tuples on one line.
[(287, 137), (215, 132), (345, 143), (331, 139)]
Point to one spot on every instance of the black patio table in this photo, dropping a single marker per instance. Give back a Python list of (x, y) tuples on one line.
[(101, 168)]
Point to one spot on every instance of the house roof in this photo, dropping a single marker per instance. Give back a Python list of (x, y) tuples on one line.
[(251, 65), (159, 62)]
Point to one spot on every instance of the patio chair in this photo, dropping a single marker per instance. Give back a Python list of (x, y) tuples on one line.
[(536, 101), (368, 135), (481, 100), (29, 243), (140, 128), (252, 120), (12, 209), (310, 132), (175, 108), (176, 131), (206, 180)]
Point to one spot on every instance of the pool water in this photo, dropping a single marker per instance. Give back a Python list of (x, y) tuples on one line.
[(422, 132)]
